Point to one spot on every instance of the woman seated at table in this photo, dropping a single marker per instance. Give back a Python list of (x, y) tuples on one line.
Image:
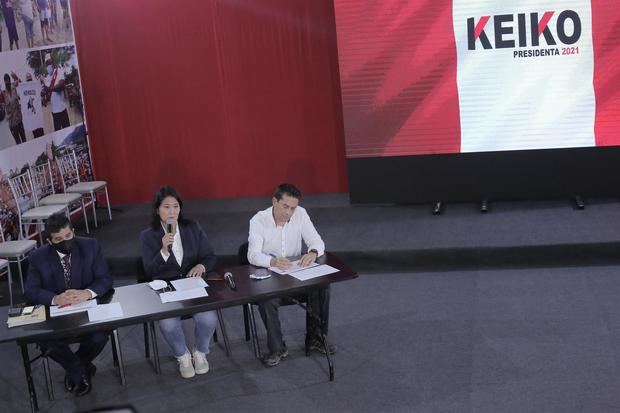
[(174, 247)]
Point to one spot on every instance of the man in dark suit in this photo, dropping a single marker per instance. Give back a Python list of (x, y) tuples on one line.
[(70, 270)]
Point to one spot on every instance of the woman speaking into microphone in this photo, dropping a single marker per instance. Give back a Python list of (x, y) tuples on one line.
[(174, 247)]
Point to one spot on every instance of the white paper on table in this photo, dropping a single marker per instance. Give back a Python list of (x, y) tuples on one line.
[(293, 268), (182, 295), (316, 271), (189, 283), (105, 311), (56, 310)]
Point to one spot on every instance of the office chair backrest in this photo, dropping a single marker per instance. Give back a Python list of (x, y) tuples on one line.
[(141, 275), (242, 254)]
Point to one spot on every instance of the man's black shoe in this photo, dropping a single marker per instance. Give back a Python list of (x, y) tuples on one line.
[(83, 387), (69, 384), (273, 359), (315, 344)]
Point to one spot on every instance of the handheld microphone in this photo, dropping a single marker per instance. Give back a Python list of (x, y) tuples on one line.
[(169, 224), (229, 279)]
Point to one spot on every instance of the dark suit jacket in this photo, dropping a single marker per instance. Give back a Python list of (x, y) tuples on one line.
[(196, 250), (89, 270)]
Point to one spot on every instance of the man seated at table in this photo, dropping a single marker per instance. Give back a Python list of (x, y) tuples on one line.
[(70, 270), (275, 234)]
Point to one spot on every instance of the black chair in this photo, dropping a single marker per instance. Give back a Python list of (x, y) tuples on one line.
[(150, 334), (249, 320), (242, 259), (300, 300)]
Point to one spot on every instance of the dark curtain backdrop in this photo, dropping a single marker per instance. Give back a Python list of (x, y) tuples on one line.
[(219, 98)]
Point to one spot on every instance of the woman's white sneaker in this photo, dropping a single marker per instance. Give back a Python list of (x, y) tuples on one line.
[(201, 365), (185, 366)]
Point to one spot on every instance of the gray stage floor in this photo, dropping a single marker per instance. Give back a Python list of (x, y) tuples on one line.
[(348, 227), (527, 319), (525, 340), (380, 238)]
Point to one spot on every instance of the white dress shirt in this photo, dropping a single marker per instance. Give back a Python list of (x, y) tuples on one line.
[(177, 247), (57, 98), (267, 240)]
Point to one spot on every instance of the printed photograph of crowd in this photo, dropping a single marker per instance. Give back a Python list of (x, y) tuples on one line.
[(41, 113), (40, 93), (34, 23), (16, 162)]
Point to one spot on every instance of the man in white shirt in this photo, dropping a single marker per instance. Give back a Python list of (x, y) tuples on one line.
[(55, 84), (276, 233)]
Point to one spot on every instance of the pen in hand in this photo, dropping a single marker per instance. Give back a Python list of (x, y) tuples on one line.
[(281, 263), (272, 255)]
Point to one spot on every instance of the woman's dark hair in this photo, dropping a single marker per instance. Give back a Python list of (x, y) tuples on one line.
[(161, 194)]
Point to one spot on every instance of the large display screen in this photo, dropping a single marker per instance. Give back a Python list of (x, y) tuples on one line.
[(421, 77)]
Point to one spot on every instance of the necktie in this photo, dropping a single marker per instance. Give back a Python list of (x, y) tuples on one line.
[(66, 266)]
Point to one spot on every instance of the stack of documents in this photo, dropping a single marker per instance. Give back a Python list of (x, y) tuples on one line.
[(37, 316), (186, 288), (293, 268), (105, 312), (313, 272), (58, 310)]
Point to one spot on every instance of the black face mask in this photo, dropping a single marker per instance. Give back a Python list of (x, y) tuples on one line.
[(64, 247)]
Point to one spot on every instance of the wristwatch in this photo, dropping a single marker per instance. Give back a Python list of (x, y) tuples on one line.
[(315, 251)]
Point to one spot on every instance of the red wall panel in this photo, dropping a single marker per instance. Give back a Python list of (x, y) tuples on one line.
[(606, 39), (219, 98)]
